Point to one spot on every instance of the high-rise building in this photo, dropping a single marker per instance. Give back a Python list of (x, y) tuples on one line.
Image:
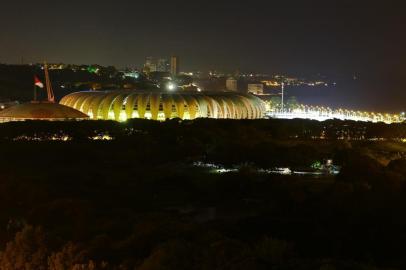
[(174, 65), (231, 84), (256, 88), (150, 64), (163, 65)]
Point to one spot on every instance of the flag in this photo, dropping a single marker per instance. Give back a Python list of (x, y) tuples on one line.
[(38, 82)]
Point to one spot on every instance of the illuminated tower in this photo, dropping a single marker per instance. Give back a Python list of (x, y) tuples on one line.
[(174, 65)]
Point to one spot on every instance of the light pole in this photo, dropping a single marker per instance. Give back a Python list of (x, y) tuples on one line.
[(283, 90)]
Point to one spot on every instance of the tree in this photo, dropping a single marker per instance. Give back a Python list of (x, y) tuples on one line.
[(292, 103), (275, 103), (28, 251), (66, 259), (175, 254), (272, 250)]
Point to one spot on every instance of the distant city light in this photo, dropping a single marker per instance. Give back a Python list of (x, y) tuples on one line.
[(321, 113), (92, 69), (132, 74), (102, 137)]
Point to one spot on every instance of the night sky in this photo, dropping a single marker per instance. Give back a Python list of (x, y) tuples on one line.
[(339, 39)]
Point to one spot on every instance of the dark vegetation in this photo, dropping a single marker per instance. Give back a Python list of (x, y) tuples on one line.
[(17, 81), (136, 203)]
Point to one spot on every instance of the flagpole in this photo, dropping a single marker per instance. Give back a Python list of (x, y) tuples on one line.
[(51, 97)]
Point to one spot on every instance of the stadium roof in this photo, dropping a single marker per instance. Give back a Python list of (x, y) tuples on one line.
[(41, 111)]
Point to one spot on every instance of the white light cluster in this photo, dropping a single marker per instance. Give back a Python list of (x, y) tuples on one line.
[(320, 113)]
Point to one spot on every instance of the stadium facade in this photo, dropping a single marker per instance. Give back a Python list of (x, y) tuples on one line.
[(123, 105)]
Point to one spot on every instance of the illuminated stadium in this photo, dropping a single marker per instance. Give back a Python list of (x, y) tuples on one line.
[(123, 105)]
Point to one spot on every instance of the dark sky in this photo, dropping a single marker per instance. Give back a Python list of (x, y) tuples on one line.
[(336, 38)]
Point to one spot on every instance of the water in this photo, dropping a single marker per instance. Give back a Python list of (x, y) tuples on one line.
[(352, 94)]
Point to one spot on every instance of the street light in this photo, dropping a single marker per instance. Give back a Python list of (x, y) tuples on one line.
[(171, 86), (283, 94)]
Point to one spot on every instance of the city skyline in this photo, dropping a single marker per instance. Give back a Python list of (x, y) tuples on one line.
[(343, 40)]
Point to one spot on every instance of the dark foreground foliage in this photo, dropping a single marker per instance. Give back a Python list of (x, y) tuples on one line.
[(136, 203), (206, 129)]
